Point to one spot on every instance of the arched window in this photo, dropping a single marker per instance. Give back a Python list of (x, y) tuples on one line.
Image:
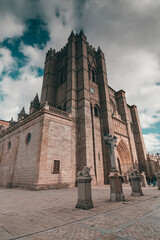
[(9, 145), (61, 77), (28, 138), (93, 76), (65, 107), (96, 111)]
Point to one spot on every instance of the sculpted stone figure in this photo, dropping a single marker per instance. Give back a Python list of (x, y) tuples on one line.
[(111, 141), (84, 173), (84, 189), (134, 173)]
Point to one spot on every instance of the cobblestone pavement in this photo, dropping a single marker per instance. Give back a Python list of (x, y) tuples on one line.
[(51, 214)]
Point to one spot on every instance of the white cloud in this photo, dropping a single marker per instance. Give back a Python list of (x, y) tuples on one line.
[(152, 142), (6, 60), (149, 119), (34, 54), (10, 26), (19, 93), (137, 73), (59, 16)]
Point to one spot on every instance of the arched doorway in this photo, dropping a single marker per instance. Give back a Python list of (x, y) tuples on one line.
[(124, 158)]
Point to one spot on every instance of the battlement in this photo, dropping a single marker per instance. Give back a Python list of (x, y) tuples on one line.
[(63, 51), (91, 50)]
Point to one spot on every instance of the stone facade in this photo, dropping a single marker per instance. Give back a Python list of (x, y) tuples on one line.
[(64, 131)]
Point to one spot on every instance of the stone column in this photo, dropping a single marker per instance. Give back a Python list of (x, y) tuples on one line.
[(135, 180), (143, 180), (158, 179), (84, 189), (115, 178)]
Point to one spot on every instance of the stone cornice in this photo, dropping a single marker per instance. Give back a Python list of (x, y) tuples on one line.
[(44, 110)]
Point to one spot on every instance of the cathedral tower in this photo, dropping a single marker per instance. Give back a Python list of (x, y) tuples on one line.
[(75, 80)]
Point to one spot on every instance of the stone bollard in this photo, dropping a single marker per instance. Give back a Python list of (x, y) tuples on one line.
[(158, 179), (143, 180), (84, 189), (135, 180), (116, 191), (125, 177)]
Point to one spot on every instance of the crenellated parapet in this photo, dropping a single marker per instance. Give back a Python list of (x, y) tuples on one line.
[(91, 50), (62, 52), (51, 54)]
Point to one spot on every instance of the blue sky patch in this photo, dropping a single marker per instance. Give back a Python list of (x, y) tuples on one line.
[(36, 33), (153, 129)]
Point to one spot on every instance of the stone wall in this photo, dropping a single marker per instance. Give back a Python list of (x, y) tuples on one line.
[(56, 145), (18, 162), (31, 164)]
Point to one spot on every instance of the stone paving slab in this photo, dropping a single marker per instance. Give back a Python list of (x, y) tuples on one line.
[(130, 222), (51, 214)]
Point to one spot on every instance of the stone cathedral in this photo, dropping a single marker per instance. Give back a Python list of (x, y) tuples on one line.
[(64, 130)]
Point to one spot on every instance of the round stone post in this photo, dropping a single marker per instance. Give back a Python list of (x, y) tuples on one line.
[(84, 189), (135, 180), (115, 178), (158, 179)]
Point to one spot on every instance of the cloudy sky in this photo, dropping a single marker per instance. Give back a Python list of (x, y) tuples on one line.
[(128, 32)]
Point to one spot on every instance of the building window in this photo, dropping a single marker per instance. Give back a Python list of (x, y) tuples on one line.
[(96, 111), (28, 138), (99, 156), (93, 76), (56, 167), (9, 145)]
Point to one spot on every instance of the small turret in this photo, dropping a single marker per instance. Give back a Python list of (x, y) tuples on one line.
[(11, 122), (82, 36), (35, 104), (22, 114)]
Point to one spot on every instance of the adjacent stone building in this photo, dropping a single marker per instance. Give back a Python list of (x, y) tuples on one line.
[(153, 163), (65, 130), (3, 125)]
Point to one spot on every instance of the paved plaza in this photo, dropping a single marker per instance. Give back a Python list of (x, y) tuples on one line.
[(51, 214)]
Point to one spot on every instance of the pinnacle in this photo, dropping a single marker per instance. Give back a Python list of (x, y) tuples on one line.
[(81, 32)]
